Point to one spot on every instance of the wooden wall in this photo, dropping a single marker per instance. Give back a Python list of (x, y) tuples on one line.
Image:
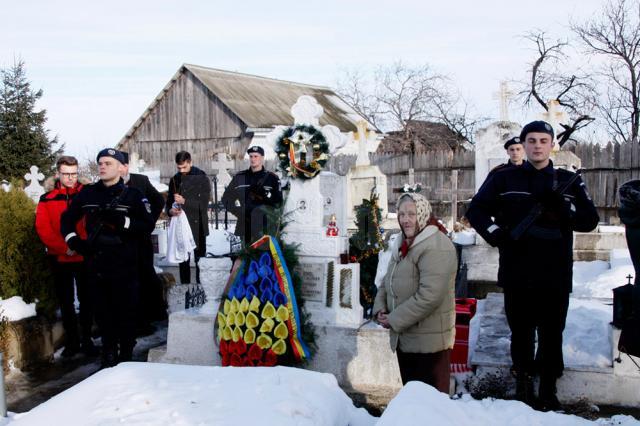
[(188, 117)]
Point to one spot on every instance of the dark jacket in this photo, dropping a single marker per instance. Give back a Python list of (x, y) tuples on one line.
[(246, 194), (104, 206), (156, 200), (195, 187), (543, 256), (50, 208)]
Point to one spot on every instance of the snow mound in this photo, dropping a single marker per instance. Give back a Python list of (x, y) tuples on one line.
[(164, 394), (587, 335), (420, 404), (14, 308), (595, 279)]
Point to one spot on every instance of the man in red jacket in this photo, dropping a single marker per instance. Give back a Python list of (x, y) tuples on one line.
[(66, 264)]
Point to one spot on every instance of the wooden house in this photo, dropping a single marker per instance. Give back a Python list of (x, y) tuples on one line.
[(206, 111)]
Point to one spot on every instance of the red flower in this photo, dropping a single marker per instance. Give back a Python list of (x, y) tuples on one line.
[(224, 347), (236, 361), (255, 353), (249, 363), (241, 347), (270, 358), (226, 360)]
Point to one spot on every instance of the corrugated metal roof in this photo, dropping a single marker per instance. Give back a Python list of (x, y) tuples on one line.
[(265, 102)]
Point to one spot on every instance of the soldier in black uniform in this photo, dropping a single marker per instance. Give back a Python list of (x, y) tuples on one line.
[(116, 217), (535, 267), (515, 151), (152, 306), (248, 193)]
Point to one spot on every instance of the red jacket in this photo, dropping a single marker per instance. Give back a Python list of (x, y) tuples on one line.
[(50, 208)]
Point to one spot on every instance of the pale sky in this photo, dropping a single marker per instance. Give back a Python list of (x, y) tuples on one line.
[(100, 64)]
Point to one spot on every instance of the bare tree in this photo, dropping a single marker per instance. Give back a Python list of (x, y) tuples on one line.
[(399, 94), (352, 86), (548, 82), (615, 35)]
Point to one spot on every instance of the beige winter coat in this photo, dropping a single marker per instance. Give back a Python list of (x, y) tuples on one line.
[(419, 294)]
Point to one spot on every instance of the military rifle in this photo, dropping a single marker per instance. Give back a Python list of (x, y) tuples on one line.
[(537, 210), (111, 206)]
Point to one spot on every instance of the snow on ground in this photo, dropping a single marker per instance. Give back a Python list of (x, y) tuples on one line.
[(419, 404), (587, 335), (595, 279), (610, 228), (15, 308), (164, 394)]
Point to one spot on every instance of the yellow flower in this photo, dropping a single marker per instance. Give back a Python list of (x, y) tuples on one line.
[(235, 305), (252, 320), (267, 326), (244, 305), (264, 341), (221, 320), (231, 319), (227, 306), (254, 306), (282, 314), (237, 334), (281, 331), (249, 336), (268, 311), (279, 347), (240, 319), (227, 334)]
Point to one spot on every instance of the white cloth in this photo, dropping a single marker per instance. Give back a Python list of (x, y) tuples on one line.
[(180, 240)]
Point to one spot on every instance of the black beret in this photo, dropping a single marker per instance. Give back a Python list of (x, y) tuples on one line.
[(536, 127), (125, 155), (113, 153), (514, 140), (257, 149)]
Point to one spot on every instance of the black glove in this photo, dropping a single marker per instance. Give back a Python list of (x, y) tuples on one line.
[(556, 206), (112, 217), (79, 245), (498, 238), (257, 192)]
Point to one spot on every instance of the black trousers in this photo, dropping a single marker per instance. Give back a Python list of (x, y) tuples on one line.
[(65, 274), (152, 306), (432, 369), (114, 274), (541, 311), (185, 270)]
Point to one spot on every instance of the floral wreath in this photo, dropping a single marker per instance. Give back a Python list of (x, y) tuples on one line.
[(292, 151)]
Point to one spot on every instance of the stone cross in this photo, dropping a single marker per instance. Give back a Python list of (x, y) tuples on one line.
[(554, 116), (222, 163), (454, 192), (34, 190), (503, 95), (307, 110), (361, 138)]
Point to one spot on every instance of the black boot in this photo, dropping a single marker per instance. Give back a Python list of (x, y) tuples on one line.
[(524, 388), (71, 348), (109, 357), (547, 397), (126, 353), (88, 348)]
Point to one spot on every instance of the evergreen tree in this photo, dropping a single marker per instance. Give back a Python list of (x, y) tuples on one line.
[(24, 140), (364, 245)]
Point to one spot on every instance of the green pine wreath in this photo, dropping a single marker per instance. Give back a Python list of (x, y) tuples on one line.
[(293, 139)]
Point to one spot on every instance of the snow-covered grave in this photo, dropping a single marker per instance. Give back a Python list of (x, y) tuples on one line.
[(163, 394), (594, 369), (359, 357)]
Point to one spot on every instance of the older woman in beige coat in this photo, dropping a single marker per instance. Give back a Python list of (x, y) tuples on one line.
[(416, 300)]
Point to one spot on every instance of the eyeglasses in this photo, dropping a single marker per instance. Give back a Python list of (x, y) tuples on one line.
[(69, 175)]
